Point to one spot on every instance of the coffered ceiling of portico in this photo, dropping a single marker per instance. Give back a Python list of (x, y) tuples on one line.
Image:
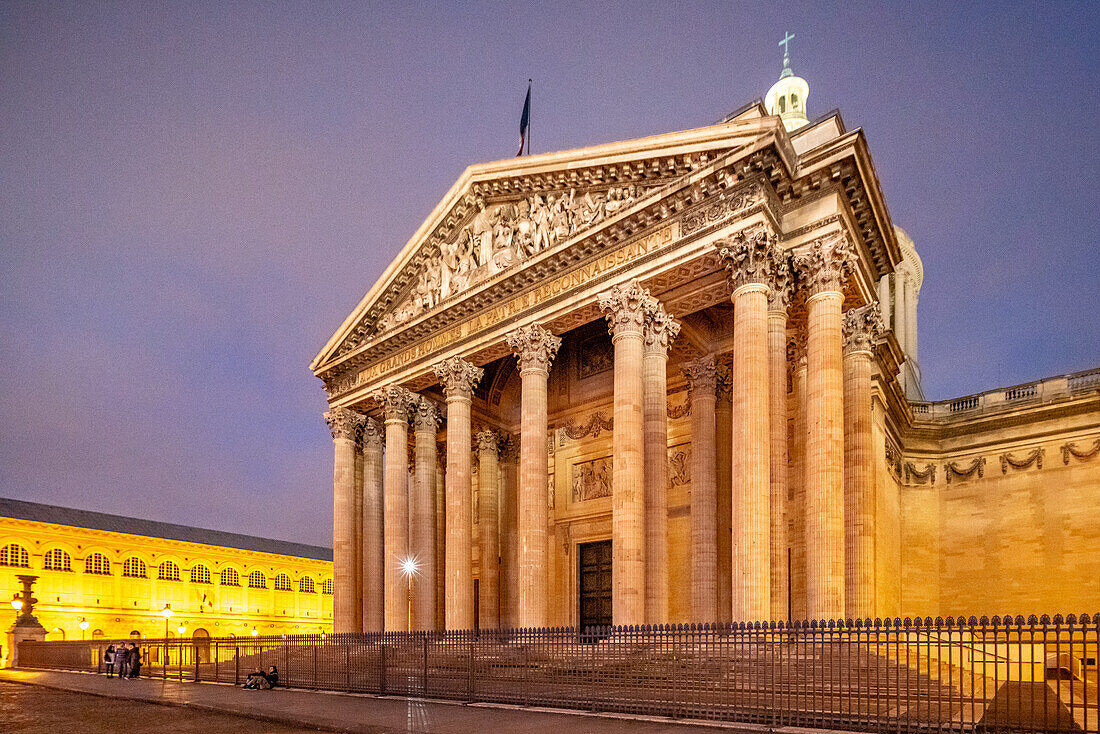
[(532, 225)]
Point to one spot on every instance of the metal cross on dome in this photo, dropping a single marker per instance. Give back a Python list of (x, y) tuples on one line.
[(786, 44)]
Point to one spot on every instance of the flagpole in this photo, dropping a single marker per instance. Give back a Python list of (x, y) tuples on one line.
[(528, 123)]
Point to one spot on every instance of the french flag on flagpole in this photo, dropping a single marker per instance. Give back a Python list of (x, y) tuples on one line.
[(525, 122)]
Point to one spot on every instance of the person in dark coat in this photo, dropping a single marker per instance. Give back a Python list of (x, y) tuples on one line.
[(109, 660), (262, 681), (134, 660), (122, 662)]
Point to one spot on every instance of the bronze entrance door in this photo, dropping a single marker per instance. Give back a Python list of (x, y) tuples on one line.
[(595, 585)]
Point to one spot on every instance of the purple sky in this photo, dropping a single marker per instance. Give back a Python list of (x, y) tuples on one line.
[(193, 197)]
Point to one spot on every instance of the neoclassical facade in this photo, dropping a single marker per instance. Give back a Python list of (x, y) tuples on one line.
[(675, 379)]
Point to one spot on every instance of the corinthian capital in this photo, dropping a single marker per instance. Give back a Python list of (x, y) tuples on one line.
[(425, 414), (779, 297), (373, 437), (659, 328), (395, 401), (534, 347), (825, 263), (488, 440), (625, 307), (344, 423), (458, 377), (862, 327), (750, 256), (724, 383), (702, 375)]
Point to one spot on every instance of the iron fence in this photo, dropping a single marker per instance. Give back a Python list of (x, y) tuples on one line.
[(994, 674)]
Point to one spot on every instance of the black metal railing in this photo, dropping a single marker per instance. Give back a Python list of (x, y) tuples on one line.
[(905, 675)]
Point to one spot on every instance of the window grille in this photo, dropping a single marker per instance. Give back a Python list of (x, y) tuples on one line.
[(135, 568), (169, 571), (15, 555), (230, 577), (57, 560), (282, 583), (200, 575), (97, 564), (326, 586), (306, 586), (256, 580)]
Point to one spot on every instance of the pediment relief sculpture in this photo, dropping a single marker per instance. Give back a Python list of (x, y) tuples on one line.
[(502, 235)]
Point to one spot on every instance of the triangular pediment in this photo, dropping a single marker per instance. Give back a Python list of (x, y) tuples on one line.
[(500, 217)]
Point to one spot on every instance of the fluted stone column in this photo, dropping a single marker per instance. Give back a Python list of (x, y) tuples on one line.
[(440, 536), (458, 378), (625, 308), (344, 425), (778, 300), (357, 541), (396, 402), (658, 332), (535, 348), (901, 311), (700, 374), (751, 258), (862, 327), (796, 449), (373, 552), (422, 513), (723, 449), (509, 486), (488, 472), (823, 268)]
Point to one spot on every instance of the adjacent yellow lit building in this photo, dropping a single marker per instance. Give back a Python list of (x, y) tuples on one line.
[(109, 576)]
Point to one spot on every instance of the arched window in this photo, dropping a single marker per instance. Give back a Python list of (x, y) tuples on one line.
[(256, 580), (97, 564), (782, 104), (15, 555), (306, 586), (200, 574), (326, 586), (135, 635), (282, 583), (230, 577), (794, 101), (97, 634), (169, 571), (135, 568), (57, 560)]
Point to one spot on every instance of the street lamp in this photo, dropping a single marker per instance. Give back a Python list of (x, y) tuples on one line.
[(254, 632), (17, 604), (167, 614), (409, 569), (83, 627), (181, 629)]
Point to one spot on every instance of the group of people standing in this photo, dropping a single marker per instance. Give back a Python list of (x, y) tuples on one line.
[(125, 662)]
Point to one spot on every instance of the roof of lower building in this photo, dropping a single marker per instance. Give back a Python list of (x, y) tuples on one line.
[(37, 512)]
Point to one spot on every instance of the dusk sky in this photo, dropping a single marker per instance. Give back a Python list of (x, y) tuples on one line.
[(194, 196)]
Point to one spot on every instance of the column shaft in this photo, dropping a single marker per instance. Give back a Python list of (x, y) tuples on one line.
[(508, 556), (373, 568), (343, 535), (704, 526), (658, 331), (459, 583), (396, 521), (797, 476), (859, 492), (440, 543), (628, 484), (824, 530), (357, 540), (723, 441), (777, 428), (901, 311), (751, 584), (489, 526), (422, 516)]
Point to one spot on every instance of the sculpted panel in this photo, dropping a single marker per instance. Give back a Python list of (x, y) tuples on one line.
[(501, 235), (592, 479)]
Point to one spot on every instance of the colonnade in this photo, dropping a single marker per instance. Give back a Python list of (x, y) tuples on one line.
[(383, 517)]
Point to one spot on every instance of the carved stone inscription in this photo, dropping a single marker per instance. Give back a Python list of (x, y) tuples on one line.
[(592, 479)]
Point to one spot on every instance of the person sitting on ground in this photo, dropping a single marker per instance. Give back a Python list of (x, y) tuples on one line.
[(262, 681)]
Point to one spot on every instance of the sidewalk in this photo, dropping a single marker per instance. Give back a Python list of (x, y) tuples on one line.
[(362, 714)]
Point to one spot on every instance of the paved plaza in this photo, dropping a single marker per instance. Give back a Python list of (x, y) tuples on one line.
[(40, 701)]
